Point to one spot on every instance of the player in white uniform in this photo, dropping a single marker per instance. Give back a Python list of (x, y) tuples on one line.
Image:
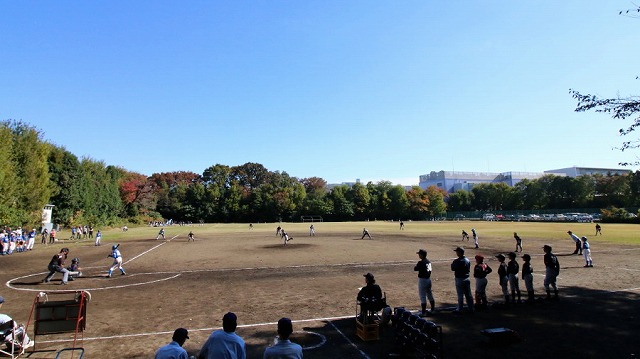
[(586, 251), (117, 260), (98, 238)]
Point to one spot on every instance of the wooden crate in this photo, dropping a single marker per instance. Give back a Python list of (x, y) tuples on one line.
[(368, 332)]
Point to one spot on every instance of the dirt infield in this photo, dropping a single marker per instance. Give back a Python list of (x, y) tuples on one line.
[(314, 281)]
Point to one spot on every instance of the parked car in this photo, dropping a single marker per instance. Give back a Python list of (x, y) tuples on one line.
[(489, 217)]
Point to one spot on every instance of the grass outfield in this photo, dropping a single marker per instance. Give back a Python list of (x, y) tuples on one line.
[(624, 234)]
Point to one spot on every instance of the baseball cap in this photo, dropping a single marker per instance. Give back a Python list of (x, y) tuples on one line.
[(478, 256), (526, 256), (546, 246), (181, 333), (584, 238), (1, 299), (500, 256), (422, 251), (459, 249), (511, 255), (368, 276)]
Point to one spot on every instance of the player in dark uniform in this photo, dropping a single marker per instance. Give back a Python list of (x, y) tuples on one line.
[(365, 233), (57, 265), (465, 235), (598, 229), (552, 270), (513, 268), (480, 271), (503, 277), (423, 267), (527, 277), (190, 237)]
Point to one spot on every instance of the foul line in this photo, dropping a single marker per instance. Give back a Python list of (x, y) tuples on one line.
[(330, 319), (363, 354)]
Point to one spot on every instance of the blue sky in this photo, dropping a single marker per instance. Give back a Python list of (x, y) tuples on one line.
[(382, 90)]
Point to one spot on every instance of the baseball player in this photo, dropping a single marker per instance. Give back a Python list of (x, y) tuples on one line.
[(527, 277), (475, 237), (285, 236), (278, 230), (160, 234), (312, 231), (578, 243), (98, 238), (480, 272), (598, 229), (190, 237), (586, 251), (503, 277), (423, 267), (465, 235), (512, 269), (32, 239), (365, 233), (57, 265), (117, 260), (74, 269), (552, 270), (518, 241)]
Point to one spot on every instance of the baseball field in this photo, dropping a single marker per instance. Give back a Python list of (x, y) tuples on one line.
[(314, 281)]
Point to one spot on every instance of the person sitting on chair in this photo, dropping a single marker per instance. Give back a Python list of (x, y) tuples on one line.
[(22, 341), (370, 298)]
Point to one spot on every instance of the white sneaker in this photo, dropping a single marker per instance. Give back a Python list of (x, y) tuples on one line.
[(29, 344)]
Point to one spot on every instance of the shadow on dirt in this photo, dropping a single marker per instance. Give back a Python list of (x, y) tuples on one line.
[(583, 323)]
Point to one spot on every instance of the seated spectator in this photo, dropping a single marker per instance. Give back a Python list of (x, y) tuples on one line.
[(370, 298), (22, 339), (174, 349), (284, 348), (224, 343)]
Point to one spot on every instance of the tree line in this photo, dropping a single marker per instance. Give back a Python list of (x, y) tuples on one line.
[(34, 172)]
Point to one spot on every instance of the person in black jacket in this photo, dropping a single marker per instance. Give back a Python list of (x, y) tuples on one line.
[(370, 298)]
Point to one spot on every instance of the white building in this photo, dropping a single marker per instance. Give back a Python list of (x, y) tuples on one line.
[(452, 181)]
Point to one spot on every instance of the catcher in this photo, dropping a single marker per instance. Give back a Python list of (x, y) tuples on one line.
[(74, 269), (117, 260)]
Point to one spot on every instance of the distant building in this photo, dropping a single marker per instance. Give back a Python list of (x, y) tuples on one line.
[(452, 181), (580, 171)]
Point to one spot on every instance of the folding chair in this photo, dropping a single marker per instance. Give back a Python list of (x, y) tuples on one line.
[(13, 338)]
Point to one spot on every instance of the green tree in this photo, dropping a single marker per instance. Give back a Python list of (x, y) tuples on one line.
[(460, 200), (418, 203), (8, 180), (29, 164), (65, 175), (399, 203), (342, 207), (358, 195), (437, 206)]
